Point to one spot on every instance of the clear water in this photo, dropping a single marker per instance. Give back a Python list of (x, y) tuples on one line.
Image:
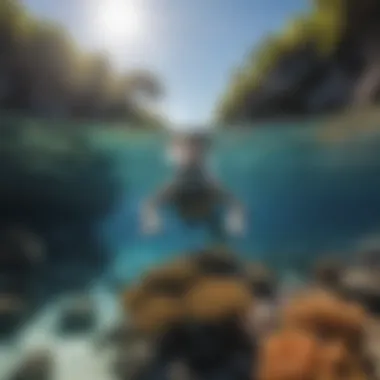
[(306, 194)]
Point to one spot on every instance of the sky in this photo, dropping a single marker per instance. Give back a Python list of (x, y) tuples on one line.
[(193, 46)]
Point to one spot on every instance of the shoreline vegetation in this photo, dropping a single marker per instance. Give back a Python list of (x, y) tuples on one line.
[(44, 73), (322, 62)]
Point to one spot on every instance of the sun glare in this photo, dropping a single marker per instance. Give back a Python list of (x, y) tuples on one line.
[(119, 21)]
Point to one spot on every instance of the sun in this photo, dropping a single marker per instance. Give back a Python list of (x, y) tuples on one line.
[(119, 21)]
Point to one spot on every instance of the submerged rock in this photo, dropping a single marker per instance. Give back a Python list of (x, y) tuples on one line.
[(78, 316), (59, 183), (362, 285), (12, 312), (53, 173), (261, 280), (132, 359), (36, 366), (328, 274)]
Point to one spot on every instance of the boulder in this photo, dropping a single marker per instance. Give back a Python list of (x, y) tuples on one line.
[(261, 281), (37, 366), (12, 312), (78, 316), (362, 285)]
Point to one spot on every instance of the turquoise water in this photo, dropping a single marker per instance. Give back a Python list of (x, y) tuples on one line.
[(306, 196)]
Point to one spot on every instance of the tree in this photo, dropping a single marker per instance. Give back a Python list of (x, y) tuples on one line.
[(142, 85), (43, 72), (321, 30)]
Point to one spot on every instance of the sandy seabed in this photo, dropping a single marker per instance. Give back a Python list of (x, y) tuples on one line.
[(75, 357)]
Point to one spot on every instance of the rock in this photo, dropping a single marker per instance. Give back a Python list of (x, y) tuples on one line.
[(262, 282), (262, 319), (78, 316), (120, 336), (370, 258), (210, 346), (13, 284), (132, 359), (178, 370), (37, 366), (12, 312), (328, 273), (58, 182), (362, 285), (23, 244)]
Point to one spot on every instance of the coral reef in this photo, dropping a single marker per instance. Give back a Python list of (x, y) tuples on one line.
[(328, 318), (174, 279), (157, 314), (292, 354), (200, 285), (194, 307), (337, 363), (362, 285), (287, 355), (213, 299)]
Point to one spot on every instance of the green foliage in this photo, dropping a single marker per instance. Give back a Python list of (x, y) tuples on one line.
[(321, 29), (49, 75)]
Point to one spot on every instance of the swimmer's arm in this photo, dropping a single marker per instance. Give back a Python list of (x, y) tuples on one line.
[(235, 218), (149, 209)]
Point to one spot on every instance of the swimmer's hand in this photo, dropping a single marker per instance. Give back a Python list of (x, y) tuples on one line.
[(235, 223), (150, 222)]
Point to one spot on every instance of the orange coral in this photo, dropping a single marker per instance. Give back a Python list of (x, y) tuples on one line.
[(288, 355), (214, 298), (334, 362), (173, 278), (178, 290), (157, 313), (132, 298), (337, 363), (327, 317), (296, 355)]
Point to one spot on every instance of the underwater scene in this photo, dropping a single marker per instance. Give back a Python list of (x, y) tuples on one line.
[(80, 259), (306, 195), (189, 190)]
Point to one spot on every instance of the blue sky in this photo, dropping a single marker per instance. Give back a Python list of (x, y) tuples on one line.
[(192, 45)]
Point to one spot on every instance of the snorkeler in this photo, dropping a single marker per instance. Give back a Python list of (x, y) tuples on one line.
[(193, 192)]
